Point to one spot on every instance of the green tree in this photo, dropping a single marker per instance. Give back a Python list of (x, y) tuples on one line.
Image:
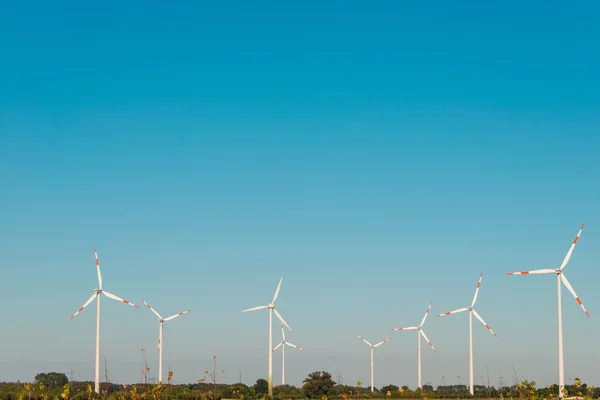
[(287, 392), (52, 379), (318, 383), (389, 388), (261, 386)]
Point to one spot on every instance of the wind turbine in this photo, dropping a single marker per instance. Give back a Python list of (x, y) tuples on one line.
[(281, 344), (161, 321), (373, 348), (271, 307), (560, 276), (419, 334), (472, 312), (96, 296)]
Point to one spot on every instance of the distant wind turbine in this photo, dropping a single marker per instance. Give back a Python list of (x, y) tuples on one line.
[(419, 334), (560, 276), (271, 307), (161, 321), (96, 296), (372, 349), (282, 344), (472, 312)]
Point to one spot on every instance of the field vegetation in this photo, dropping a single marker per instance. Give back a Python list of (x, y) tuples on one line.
[(317, 385)]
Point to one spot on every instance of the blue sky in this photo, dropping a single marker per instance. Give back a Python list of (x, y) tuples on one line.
[(377, 156)]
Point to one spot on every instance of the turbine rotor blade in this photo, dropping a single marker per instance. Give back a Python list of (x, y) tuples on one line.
[(276, 347), (282, 332), (453, 312), (477, 290), (568, 285), (281, 319), (98, 269), (410, 328), (177, 315), (568, 256), (364, 340), (536, 271), (426, 314), (277, 291), (483, 322), (255, 308), (293, 345), (87, 303), (382, 342), (117, 298), (152, 309), (427, 340)]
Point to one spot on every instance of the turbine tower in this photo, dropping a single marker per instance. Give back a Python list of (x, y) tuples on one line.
[(472, 312), (96, 296), (560, 276), (271, 307), (372, 349), (282, 345), (420, 333), (161, 321)]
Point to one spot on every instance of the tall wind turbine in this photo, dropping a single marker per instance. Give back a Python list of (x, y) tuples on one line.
[(560, 276), (96, 296), (472, 312), (373, 348), (281, 344), (420, 333), (271, 307), (161, 321)]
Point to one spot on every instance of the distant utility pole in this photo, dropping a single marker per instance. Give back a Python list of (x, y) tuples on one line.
[(501, 381), (340, 380), (240, 374)]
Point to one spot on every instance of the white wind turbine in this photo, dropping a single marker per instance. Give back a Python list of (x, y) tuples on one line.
[(96, 296), (420, 333), (373, 348), (161, 321), (560, 276), (281, 344), (271, 307), (472, 312)]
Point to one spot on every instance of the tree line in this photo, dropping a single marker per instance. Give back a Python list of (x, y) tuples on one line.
[(317, 385)]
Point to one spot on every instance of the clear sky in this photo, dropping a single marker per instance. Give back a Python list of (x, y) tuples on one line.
[(377, 156)]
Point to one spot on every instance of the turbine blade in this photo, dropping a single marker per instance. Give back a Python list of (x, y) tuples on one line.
[(293, 345), (281, 319), (177, 315), (477, 290), (453, 312), (537, 271), (382, 342), (410, 328), (112, 296), (87, 303), (363, 339), (483, 322), (426, 314), (427, 340), (277, 291), (255, 308), (568, 285), (98, 269), (152, 309), (282, 332), (276, 347), (568, 256)]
